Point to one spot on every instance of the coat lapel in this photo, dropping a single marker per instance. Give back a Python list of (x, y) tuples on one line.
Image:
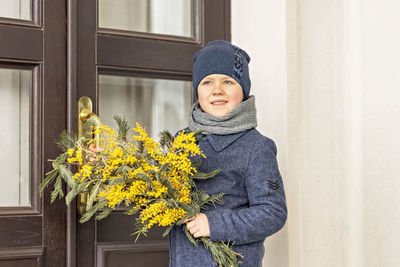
[(220, 142)]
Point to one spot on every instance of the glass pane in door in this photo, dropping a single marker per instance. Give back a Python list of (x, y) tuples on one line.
[(157, 104), (16, 9), (15, 88), (172, 17)]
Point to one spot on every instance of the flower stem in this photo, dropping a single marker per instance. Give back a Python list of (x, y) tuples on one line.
[(222, 252)]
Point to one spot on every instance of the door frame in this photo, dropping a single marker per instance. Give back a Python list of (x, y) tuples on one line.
[(36, 234)]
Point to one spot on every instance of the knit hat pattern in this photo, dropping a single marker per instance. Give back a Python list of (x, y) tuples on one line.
[(221, 57)]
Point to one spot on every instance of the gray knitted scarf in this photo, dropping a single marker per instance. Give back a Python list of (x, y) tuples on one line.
[(242, 117)]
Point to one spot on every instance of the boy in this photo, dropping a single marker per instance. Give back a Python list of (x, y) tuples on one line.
[(254, 201)]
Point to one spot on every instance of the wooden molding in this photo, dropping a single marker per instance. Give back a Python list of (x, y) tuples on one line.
[(106, 249), (21, 253)]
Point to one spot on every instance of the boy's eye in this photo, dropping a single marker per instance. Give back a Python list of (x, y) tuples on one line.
[(206, 83), (228, 82)]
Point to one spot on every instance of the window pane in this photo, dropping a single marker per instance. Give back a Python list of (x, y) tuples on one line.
[(16, 9), (172, 17), (155, 103), (15, 182)]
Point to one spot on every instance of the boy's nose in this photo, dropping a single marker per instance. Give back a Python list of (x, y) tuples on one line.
[(217, 90)]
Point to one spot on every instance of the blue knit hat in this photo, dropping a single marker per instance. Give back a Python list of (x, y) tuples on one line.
[(221, 57)]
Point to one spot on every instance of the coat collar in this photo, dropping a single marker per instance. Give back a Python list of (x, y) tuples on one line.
[(220, 142)]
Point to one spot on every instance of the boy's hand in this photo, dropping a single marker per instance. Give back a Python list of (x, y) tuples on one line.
[(92, 148), (198, 226)]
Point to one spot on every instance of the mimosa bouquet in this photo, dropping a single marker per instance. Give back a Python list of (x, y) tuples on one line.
[(153, 179)]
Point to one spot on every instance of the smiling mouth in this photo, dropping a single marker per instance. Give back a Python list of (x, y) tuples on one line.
[(219, 102)]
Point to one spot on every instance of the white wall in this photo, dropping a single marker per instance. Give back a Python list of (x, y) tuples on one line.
[(380, 77), (258, 27), (326, 75)]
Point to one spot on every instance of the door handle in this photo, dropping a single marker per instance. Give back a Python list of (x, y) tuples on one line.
[(86, 115)]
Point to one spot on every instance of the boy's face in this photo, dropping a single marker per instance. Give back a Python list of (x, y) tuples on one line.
[(218, 94)]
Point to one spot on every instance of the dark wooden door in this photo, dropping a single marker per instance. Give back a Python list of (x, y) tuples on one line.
[(53, 53), (108, 52), (33, 97)]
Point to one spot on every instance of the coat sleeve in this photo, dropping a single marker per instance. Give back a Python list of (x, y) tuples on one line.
[(266, 213)]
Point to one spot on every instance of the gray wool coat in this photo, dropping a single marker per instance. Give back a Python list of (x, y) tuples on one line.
[(254, 204)]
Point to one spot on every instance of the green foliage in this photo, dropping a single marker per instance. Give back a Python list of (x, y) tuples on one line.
[(71, 195), (117, 181), (123, 127), (66, 174), (49, 178), (206, 175), (222, 253), (92, 185), (197, 135), (89, 213), (168, 229), (93, 195), (92, 120), (67, 140), (189, 236), (132, 211), (147, 179), (165, 139), (57, 190), (203, 199), (106, 211), (123, 170)]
